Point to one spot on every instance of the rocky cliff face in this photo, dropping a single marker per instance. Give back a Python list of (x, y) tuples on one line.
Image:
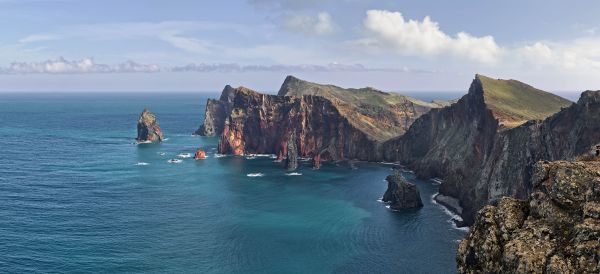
[(482, 147), (260, 123), (401, 194), (557, 230), (291, 161), (215, 113), (331, 123), (148, 129)]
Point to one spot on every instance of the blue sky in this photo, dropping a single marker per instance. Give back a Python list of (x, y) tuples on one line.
[(69, 45)]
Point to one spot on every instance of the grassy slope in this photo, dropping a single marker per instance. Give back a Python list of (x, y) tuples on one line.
[(514, 103), (376, 113)]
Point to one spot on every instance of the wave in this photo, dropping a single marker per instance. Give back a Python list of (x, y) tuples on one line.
[(453, 216), (174, 161), (141, 164), (143, 142), (250, 157), (255, 174), (437, 180), (184, 155), (293, 174), (217, 155), (161, 153)]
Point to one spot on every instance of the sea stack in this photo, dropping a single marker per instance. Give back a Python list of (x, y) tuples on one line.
[(148, 129), (401, 194), (291, 162), (200, 154)]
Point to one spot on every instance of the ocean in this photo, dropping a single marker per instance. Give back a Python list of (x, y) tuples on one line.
[(78, 195)]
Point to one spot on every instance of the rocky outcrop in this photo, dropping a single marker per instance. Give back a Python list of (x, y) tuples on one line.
[(401, 194), (200, 154), (484, 148), (148, 129), (557, 230), (215, 113), (291, 161)]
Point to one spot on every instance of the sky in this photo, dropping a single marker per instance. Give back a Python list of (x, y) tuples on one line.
[(181, 45)]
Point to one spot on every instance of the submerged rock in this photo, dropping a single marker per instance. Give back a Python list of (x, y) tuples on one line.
[(148, 129), (401, 194), (557, 230), (291, 162)]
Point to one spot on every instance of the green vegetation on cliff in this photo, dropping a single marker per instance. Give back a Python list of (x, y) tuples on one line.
[(514, 103)]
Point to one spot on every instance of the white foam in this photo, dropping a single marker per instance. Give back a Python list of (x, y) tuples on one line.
[(293, 174), (250, 157), (255, 174), (437, 180), (389, 163), (453, 216), (142, 164), (174, 161), (161, 153), (217, 155), (143, 142), (184, 155)]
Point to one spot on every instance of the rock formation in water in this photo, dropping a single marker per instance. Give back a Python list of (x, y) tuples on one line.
[(331, 123), (291, 162), (200, 154), (485, 144), (148, 129), (557, 230), (401, 194)]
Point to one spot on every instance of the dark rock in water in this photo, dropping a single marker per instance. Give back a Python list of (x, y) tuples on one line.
[(401, 194), (316, 161), (148, 129), (557, 230), (291, 162)]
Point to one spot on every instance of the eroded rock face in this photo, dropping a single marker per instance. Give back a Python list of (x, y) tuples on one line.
[(557, 230), (262, 124), (148, 129), (215, 114), (482, 160), (401, 194)]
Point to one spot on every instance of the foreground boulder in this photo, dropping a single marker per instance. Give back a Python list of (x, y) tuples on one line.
[(557, 230), (401, 194), (148, 129)]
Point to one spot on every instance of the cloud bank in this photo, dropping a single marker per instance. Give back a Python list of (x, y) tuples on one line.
[(88, 66)]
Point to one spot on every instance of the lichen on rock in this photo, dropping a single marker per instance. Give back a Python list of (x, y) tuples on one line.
[(557, 230)]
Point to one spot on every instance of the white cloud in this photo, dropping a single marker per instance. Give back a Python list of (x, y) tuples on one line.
[(331, 67), (580, 54), (38, 38), (322, 24), (389, 30), (87, 65)]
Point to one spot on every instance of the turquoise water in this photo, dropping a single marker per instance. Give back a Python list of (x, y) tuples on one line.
[(74, 199)]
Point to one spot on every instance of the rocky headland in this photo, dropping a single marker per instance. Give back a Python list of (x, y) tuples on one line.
[(484, 145), (330, 123), (556, 230), (148, 129)]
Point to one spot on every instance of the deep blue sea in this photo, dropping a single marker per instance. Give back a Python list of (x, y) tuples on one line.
[(75, 197)]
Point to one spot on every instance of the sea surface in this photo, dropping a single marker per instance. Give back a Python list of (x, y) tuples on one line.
[(78, 195)]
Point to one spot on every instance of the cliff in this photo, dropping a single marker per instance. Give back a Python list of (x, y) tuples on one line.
[(148, 129), (331, 123), (557, 230), (481, 141)]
